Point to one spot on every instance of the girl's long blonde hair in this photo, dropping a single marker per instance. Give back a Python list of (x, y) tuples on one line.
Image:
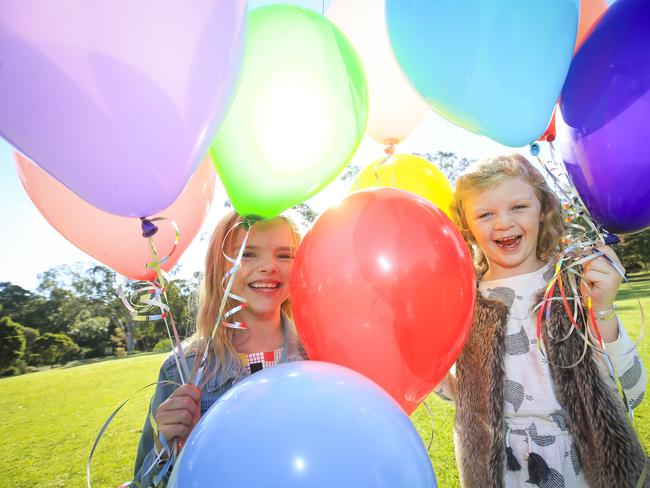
[(489, 172), (211, 293)]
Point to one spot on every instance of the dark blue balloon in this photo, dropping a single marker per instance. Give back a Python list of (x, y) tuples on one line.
[(305, 424), (603, 128)]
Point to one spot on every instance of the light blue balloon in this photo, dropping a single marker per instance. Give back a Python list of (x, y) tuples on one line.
[(304, 424), (494, 67)]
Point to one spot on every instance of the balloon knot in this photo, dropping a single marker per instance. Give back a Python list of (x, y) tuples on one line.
[(534, 149), (249, 220), (149, 229)]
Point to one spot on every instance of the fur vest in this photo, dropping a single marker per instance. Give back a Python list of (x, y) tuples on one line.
[(608, 447)]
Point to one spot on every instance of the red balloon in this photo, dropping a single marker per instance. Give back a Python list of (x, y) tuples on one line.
[(384, 284)]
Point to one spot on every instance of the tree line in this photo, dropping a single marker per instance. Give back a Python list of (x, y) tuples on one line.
[(76, 313)]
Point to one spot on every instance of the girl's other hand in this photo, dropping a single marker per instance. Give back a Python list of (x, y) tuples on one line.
[(600, 280), (177, 416)]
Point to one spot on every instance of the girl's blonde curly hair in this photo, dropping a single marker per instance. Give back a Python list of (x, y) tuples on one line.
[(489, 172)]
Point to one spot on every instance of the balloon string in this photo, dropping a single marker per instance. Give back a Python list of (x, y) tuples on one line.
[(228, 278), (177, 347), (155, 264), (570, 262), (149, 296), (110, 419), (389, 150), (432, 426), (581, 240)]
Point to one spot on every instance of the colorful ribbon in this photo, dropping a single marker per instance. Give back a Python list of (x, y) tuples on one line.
[(228, 278), (582, 237)]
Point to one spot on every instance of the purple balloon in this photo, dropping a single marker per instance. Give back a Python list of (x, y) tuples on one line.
[(604, 131), (118, 99)]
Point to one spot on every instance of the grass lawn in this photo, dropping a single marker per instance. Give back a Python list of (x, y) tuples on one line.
[(50, 419)]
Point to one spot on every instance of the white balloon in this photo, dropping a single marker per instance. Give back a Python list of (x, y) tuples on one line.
[(395, 107)]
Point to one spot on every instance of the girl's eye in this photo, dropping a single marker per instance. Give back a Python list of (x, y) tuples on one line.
[(519, 207), (484, 215), (285, 256), (248, 254)]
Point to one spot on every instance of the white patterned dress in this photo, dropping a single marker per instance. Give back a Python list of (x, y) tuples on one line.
[(535, 420)]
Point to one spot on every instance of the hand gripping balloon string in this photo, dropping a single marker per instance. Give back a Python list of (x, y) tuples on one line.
[(592, 337), (229, 277), (110, 419), (588, 234), (584, 234)]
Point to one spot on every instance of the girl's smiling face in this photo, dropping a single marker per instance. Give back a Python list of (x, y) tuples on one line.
[(505, 221), (265, 274)]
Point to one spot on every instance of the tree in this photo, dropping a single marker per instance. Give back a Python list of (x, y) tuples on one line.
[(13, 298), (118, 338), (21, 305), (634, 250), (91, 334), (12, 343), (307, 214), (351, 171), (449, 163), (76, 292), (31, 335), (149, 333), (54, 348)]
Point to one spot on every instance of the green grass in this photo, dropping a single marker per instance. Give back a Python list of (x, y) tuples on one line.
[(50, 419)]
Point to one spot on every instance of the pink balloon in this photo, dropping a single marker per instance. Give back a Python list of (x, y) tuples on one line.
[(113, 240), (118, 99)]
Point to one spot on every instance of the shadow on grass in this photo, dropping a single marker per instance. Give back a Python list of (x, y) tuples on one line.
[(639, 277), (83, 362), (640, 287)]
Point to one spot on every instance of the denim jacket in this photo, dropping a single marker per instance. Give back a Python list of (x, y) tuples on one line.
[(210, 393)]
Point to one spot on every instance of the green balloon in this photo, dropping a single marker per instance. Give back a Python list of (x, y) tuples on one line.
[(298, 116)]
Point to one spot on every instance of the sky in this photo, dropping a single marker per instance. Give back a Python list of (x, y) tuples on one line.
[(29, 245)]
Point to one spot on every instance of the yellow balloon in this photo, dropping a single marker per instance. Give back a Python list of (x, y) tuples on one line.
[(411, 173)]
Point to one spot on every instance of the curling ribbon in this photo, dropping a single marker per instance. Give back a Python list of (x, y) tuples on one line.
[(229, 280)]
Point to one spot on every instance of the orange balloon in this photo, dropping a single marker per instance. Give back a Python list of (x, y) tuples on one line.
[(117, 241), (590, 13)]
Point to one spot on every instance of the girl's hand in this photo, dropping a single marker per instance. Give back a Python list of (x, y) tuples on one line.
[(600, 280), (177, 416)]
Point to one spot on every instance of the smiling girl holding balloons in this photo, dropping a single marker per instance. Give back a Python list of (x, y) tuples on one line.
[(551, 400), (265, 336)]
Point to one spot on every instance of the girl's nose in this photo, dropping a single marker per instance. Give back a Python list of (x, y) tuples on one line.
[(268, 265), (503, 221)]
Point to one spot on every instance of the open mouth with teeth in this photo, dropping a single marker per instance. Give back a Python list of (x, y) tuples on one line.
[(265, 286), (508, 243)]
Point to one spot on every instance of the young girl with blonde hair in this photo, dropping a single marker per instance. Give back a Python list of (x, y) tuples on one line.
[(264, 337), (523, 416)]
